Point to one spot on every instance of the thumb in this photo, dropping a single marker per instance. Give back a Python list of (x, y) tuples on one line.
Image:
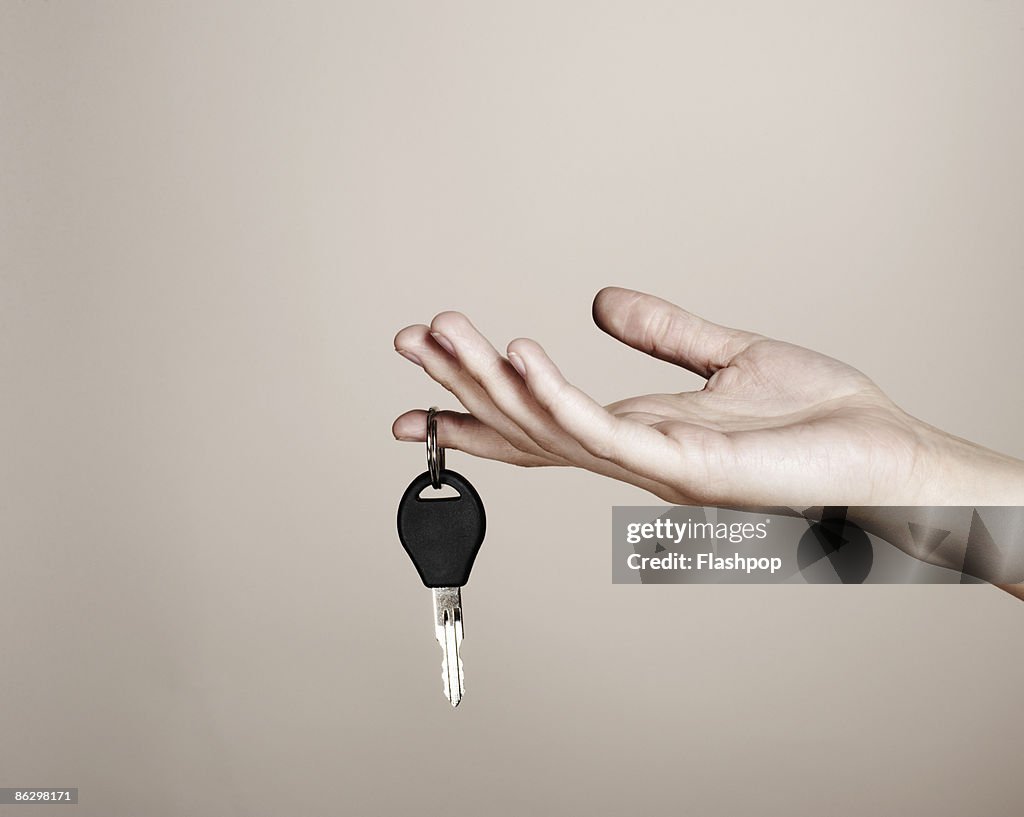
[(663, 330)]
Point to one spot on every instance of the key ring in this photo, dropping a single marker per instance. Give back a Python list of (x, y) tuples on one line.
[(435, 453)]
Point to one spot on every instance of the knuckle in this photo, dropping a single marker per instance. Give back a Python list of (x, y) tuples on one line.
[(491, 369), (659, 329), (453, 424), (558, 398), (546, 445), (602, 446), (446, 379), (671, 334)]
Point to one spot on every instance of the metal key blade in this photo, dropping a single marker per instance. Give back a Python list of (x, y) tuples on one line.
[(448, 631)]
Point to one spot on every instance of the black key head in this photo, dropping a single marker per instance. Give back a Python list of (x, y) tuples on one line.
[(442, 536)]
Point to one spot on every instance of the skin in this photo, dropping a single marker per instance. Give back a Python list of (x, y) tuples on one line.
[(774, 425)]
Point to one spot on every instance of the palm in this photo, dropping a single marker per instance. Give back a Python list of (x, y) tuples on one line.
[(765, 420)]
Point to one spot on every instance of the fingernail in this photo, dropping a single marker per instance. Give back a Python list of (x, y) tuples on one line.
[(409, 356), (404, 439), (518, 363), (444, 342)]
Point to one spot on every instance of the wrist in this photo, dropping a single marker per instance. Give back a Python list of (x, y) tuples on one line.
[(955, 471)]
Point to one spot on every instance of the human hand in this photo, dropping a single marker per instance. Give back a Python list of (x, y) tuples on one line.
[(775, 424)]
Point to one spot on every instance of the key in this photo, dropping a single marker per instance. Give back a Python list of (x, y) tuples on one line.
[(442, 537)]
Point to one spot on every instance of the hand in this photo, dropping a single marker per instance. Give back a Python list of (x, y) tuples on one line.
[(775, 424)]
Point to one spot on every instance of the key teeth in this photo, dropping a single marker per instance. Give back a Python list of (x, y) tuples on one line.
[(455, 698)]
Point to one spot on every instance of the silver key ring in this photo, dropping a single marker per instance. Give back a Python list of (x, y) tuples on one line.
[(435, 453)]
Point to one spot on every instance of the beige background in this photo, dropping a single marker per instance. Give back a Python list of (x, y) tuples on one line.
[(215, 217)]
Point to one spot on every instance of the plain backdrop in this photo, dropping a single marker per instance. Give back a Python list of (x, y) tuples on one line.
[(213, 219)]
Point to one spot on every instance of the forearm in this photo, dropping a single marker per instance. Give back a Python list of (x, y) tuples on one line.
[(986, 542), (968, 513)]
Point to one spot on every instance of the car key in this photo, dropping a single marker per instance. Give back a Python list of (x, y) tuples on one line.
[(442, 537)]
